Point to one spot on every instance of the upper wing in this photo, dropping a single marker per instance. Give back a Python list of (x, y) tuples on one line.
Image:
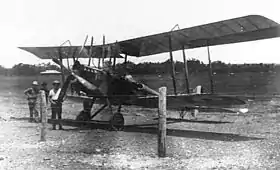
[(49, 52), (248, 28), (71, 51)]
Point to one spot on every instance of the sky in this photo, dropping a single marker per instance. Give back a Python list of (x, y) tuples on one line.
[(51, 22)]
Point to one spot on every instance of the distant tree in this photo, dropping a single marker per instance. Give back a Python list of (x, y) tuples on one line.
[(194, 66), (3, 70), (29, 70)]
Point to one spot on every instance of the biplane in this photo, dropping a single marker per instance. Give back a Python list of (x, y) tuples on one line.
[(101, 84)]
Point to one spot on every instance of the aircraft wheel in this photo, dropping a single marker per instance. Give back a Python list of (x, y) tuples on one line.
[(83, 116), (117, 122)]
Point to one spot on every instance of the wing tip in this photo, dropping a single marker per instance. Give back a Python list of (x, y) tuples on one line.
[(261, 17)]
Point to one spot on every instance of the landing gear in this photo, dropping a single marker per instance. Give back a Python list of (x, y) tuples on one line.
[(117, 122), (85, 114)]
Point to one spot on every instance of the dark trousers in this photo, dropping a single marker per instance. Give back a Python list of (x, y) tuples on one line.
[(33, 112), (56, 112), (31, 108)]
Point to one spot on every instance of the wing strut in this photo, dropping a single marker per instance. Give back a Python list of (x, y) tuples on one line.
[(210, 71), (172, 64), (69, 51), (186, 70), (114, 61), (125, 61), (61, 66), (101, 59), (90, 51), (103, 56)]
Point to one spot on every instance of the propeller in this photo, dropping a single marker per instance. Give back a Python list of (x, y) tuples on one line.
[(83, 81), (69, 51)]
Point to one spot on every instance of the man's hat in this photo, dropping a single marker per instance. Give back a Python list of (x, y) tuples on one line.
[(35, 83), (44, 84), (56, 82)]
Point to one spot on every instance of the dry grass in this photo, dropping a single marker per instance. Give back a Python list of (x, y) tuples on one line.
[(248, 142)]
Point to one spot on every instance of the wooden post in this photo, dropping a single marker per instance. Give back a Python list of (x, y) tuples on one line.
[(210, 71), (172, 65), (186, 71), (162, 122), (43, 114), (67, 59)]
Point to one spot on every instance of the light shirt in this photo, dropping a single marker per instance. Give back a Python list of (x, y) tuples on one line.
[(32, 95), (53, 95)]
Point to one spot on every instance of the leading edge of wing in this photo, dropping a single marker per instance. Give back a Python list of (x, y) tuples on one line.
[(242, 29), (54, 51), (69, 51)]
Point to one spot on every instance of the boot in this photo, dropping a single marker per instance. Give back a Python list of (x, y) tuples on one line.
[(60, 127), (54, 128), (36, 120)]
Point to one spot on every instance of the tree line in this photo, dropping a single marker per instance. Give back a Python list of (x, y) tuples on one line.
[(194, 66), (27, 69)]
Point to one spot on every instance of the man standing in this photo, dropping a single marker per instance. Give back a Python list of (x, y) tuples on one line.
[(56, 106), (32, 94)]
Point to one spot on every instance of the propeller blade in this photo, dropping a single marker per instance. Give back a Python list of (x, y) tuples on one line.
[(149, 90), (143, 86), (84, 82), (55, 60)]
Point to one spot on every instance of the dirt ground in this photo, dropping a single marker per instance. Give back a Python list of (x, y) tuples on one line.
[(250, 141)]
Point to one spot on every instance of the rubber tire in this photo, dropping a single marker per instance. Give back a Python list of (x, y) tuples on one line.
[(83, 116), (117, 122)]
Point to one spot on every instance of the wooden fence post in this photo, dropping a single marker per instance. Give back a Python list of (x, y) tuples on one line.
[(43, 115), (162, 122)]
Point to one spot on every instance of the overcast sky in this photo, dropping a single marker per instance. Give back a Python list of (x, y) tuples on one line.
[(51, 22)]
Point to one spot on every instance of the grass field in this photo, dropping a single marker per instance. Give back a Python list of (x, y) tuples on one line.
[(239, 83), (250, 141), (259, 83)]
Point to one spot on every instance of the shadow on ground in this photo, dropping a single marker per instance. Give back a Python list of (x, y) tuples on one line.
[(152, 129), (183, 133), (194, 134)]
